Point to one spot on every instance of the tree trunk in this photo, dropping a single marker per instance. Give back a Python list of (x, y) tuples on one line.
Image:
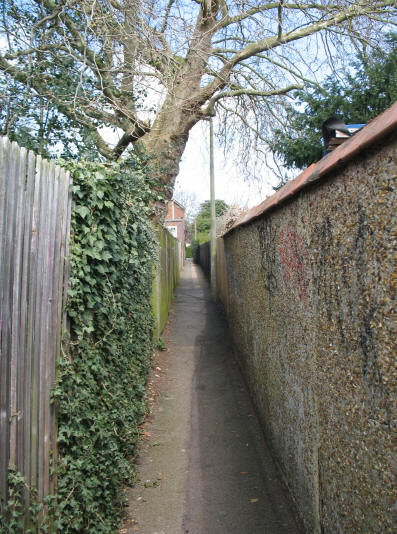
[(167, 139), (169, 134)]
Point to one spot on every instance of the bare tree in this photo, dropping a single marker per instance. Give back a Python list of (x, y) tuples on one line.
[(152, 69), (189, 201)]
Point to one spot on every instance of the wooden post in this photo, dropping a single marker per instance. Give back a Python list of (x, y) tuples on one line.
[(213, 214)]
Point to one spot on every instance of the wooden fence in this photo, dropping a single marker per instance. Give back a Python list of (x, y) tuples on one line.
[(35, 206)]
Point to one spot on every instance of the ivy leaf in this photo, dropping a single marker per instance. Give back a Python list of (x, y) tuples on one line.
[(83, 211)]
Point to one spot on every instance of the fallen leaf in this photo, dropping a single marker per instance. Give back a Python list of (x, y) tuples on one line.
[(254, 500), (243, 472)]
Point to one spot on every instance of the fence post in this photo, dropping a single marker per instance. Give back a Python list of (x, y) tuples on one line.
[(213, 214)]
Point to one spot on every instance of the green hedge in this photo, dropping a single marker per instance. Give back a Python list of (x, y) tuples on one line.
[(100, 390)]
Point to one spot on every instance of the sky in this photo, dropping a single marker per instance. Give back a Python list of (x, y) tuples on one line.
[(230, 186), (194, 172)]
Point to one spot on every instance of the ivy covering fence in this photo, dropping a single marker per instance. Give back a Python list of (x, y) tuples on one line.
[(101, 384), (99, 394)]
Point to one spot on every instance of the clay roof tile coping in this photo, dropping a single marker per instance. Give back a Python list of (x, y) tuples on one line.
[(377, 128)]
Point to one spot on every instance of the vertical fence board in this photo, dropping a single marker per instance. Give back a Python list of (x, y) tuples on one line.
[(49, 322), (35, 206), (61, 233), (36, 312), (17, 347), (4, 394), (3, 190), (33, 319), (66, 253), (14, 257), (56, 281), (7, 281), (42, 326), (26, 319)]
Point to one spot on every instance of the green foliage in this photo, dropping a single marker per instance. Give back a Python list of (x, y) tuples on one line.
[(195, 246), (203, 219), (100, 391), (16, 517), (205, 209), (188, 251), (370, 90), (30, 118), (160, 345), (12, 518)]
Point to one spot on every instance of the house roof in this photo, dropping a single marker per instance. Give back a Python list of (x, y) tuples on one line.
[(176, 202), (377, 128)]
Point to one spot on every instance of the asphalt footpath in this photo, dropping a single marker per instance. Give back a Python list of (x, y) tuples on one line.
[(204, 467)]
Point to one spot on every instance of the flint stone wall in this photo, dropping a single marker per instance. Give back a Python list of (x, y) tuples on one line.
[(309, 290)]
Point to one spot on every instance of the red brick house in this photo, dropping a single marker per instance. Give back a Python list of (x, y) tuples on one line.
[(175, 220)]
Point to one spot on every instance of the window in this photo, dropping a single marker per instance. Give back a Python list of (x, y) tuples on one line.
[(173, 230)]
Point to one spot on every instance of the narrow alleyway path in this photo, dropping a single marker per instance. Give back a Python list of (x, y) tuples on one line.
[(204, 467)]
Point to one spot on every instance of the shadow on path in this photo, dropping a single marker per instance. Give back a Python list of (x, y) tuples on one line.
[(206, 468), (233, 485)]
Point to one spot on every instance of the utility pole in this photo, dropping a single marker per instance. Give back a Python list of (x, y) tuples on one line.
[(213, 214)]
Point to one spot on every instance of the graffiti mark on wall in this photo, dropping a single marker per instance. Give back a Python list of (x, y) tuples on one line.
[(292, 252), (267, 238), (371, 369)]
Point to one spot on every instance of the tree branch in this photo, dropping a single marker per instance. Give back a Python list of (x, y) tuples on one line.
[(166, 15), (293, 72), (280, 18), (227, 21), (270, 43), (244, 121), (138, 131), (210, 109)]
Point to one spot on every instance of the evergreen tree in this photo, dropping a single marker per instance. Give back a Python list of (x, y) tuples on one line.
[(361, 96), (203, 219)]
